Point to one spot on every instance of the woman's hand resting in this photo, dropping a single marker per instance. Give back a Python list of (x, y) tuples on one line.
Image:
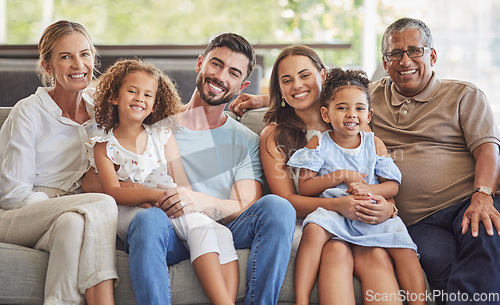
[(349, 206), (372, 209), (374, 213)]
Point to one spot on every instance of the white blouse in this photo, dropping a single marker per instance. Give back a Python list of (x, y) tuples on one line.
[(39, 148)]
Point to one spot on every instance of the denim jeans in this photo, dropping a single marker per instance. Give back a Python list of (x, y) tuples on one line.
[(460, 268), (266, 228)]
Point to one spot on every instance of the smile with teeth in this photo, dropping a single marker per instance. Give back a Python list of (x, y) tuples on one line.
[(137, 108), (77, 75), (408, 72), (215, 88), (302, 94), (351, 124)]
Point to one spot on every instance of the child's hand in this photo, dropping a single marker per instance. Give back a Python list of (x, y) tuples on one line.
[(357, 188), (350, 177)]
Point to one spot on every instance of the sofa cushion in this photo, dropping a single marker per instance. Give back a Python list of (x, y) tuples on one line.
[(23, 270), (23, 274), (186, 288)]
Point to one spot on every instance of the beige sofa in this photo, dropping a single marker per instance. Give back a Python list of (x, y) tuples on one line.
[(22, 270)]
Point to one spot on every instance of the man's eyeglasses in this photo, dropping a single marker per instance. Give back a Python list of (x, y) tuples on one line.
[(411, 52)]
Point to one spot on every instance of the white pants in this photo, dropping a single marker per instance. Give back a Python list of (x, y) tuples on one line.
[(79, 231), (200, 233)]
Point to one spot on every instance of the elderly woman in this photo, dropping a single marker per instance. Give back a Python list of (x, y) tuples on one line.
[(43, 160)]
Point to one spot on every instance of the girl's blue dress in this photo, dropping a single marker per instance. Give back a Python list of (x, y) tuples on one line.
[(329, 157)]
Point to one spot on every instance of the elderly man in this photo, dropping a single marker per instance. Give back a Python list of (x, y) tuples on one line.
[(443, 137)]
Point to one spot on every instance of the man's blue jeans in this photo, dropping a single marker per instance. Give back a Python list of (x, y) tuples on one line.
[(461, 269), (266, 228)]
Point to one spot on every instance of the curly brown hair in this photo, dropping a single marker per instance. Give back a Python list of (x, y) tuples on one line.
[(167, 100), (337, 79)]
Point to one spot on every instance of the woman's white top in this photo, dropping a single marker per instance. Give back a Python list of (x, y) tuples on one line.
[(39, 148)]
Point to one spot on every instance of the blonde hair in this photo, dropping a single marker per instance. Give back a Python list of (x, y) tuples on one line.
[(50, 37)]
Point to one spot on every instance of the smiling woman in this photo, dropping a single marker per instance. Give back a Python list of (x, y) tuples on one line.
[(69, 66), (43, 160)]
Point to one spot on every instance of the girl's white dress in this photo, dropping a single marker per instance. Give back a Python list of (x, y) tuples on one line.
[(329, 157), (150, 169)]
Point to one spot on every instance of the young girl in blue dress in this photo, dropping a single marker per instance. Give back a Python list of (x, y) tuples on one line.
[(130, 97), (347, 160)]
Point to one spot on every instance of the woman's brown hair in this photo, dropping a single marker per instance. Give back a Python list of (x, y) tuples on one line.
[(290, 132)]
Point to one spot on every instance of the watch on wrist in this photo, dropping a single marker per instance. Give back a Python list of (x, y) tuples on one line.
[(483, 189)]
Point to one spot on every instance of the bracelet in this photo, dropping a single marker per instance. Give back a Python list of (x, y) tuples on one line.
[(396, 211)]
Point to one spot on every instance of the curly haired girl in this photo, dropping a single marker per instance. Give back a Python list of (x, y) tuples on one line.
[(130, 97), (347, 160), (165, 104)]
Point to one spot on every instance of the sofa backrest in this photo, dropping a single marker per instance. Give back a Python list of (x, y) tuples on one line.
[(4, 112), (16, 84)]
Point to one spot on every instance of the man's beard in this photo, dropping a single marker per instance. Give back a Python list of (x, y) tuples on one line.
[(208, 98)]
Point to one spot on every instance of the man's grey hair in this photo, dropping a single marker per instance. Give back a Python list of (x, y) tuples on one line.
[(404, 24)]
